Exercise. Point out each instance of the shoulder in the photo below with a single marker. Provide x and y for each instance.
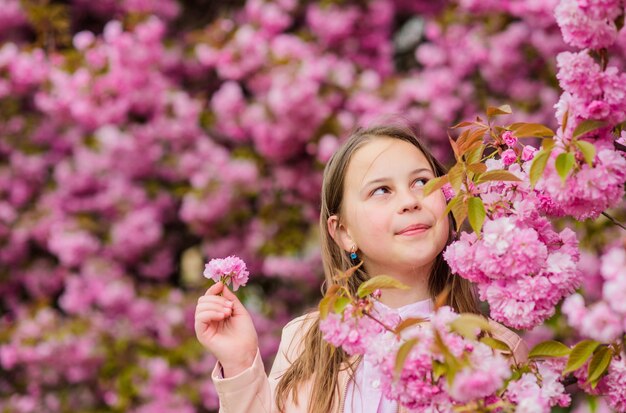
(306, 320)
(292, 340)
(511, 339)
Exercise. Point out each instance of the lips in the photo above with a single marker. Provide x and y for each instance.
(414, 228)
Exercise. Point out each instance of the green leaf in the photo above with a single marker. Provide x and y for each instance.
(539, 165)
(598, 365)
(340, 276)
(564, 164)
(580, 354)
(527, 130)
(340, 304)
(455, 176)
(463, 124)
(439, 369)
(468, 324)
(476, 213)
(477, 168)
(588, 150)
(496, 344)
(402, 354)
(547, 144)
(434, 184)
(500, 110)
(380, 281)
(549, 349)
(451, 203)
(324, 305)
(408, 322)
(459, 211)
(498, 175)
(587, 126)
(473, 155)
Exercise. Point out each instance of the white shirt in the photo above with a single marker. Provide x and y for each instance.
(364, 394)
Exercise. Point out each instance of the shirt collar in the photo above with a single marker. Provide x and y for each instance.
(423, 309)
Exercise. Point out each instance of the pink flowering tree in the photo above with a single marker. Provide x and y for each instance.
(522, 267)
(139, 139)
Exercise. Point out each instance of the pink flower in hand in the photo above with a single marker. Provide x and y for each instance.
(227, 269)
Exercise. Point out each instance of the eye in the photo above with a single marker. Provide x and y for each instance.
(420, 182)
(380, 188)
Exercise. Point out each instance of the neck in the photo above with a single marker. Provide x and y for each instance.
(417, 281)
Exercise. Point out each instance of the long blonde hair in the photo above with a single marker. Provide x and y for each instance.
(318, 356)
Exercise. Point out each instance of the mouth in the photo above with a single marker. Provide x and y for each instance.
(414, 229)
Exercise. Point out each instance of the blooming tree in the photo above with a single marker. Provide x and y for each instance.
(138, 139)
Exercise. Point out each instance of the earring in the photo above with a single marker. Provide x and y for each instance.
(353, 257)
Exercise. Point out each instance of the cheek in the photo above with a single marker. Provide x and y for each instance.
(372, 220)
(438, 207)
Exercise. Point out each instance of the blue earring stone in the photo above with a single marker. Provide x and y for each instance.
(353, 256)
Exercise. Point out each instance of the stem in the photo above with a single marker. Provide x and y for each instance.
(379, 322)
(491, 155)
(613, 220)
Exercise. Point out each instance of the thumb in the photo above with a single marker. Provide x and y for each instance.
(215, 289)
(237, 306)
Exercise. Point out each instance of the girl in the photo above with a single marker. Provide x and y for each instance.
(372, 205)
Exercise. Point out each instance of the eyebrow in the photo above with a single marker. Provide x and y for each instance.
(383, 179)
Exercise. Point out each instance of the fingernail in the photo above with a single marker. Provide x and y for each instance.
(230, 303)
(227, 310)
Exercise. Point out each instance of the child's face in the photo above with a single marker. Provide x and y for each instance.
(382, 197)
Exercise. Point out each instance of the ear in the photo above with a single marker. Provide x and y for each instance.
(339, 233)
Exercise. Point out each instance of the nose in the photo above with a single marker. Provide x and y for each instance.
(409, 201)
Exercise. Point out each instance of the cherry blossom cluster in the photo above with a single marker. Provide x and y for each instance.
(605, 321)
(355, 335)
(227, 270)
(521, 265)
(441, 369)
(594, 89)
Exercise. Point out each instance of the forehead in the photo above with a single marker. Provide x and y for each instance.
(384, 157)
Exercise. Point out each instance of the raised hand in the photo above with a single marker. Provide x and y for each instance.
(224, 327)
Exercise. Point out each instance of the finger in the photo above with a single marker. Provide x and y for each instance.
(215, 299)
(212, 307)
(237, 306)
(209, 316)
(215, 289)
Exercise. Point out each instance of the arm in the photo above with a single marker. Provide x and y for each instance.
(251, 391)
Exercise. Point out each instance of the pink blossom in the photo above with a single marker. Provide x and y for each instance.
(616, 384)
(72, 246)
(484, 378)
(613, 264)
(509, 138)
(326, 147)
(589, 191)
(585, 29)
(539, 393)
(355, 334)
(229, 269)
(574, 308)
(602, 324)
(528, 153)
(448, 192)
(509, 156)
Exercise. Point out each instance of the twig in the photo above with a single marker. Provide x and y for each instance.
(613, 220)
(379, 322)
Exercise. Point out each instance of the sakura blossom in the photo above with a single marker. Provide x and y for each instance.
(228, 270)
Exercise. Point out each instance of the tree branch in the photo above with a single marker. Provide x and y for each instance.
(613, 220)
